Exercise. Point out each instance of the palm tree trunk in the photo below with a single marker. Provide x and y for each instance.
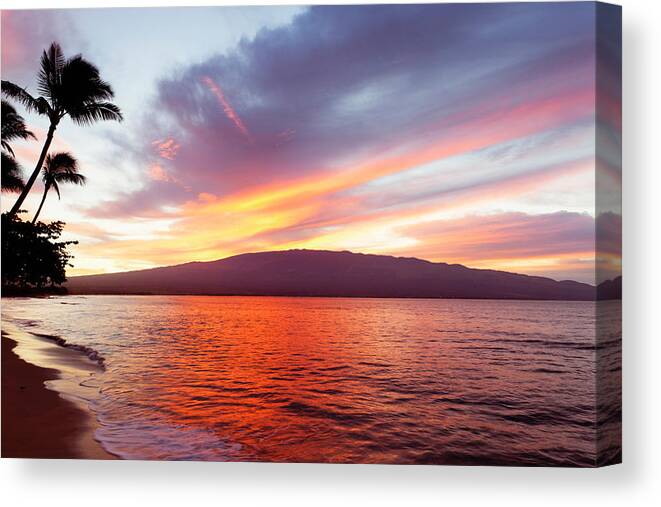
(43, 199)
(35, 173)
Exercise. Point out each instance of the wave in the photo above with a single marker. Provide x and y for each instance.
(91, 353)
(69, 379)
(29, 326)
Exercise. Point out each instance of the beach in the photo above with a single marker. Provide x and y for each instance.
(38, 422)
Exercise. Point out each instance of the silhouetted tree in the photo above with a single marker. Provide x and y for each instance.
(70, 87)
(31, 256)
(58, 168)
(13, 127)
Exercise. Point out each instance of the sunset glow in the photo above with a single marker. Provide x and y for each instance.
(278, 137)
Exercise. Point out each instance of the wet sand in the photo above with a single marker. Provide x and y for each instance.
(37, 422)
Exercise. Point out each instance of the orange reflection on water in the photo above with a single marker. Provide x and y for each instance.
(353, 380)
(339, 380)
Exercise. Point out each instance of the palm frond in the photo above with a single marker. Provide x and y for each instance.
(49, 79)
(13, 126)
(82, 83)
(61, 168)
(55, 187)
(70, 177)
(5, 146)
(98, 111)
(62, 161)
(12, 181)
(21, 95)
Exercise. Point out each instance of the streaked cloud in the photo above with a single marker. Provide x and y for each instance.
(227, 108)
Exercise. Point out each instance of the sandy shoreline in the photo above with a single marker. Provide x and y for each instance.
(38, 422)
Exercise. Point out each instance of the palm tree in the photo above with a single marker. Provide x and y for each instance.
(13, 127)
(59, 168)
(71, 87)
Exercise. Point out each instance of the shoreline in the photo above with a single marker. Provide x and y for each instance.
(412, 298)
(38, 422)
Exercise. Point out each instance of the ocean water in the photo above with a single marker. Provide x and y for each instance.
(343, 380)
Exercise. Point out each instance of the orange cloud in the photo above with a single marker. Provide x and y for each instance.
(156, 172)
(481, 133)
(211, 228)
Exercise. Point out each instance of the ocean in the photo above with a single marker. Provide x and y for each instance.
(341, 380)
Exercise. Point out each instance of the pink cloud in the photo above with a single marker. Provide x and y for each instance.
(561, 244)
(156, 172)
(26, 34)
(167, 148)
(227, 107)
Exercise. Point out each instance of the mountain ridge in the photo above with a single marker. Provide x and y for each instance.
(327, 273)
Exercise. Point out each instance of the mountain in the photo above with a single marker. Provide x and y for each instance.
(610, 289)
(325, 273)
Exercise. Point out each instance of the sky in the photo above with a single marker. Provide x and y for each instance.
(460, 133)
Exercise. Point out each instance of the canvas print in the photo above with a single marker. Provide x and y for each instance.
(385, 234)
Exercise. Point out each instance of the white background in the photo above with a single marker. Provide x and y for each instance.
(636, 482)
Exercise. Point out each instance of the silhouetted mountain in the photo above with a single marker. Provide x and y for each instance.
(610, 289)
(324, 273)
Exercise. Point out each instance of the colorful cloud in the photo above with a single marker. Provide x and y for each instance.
(456, 132)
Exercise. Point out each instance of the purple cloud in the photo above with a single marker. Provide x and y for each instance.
(342, 85)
